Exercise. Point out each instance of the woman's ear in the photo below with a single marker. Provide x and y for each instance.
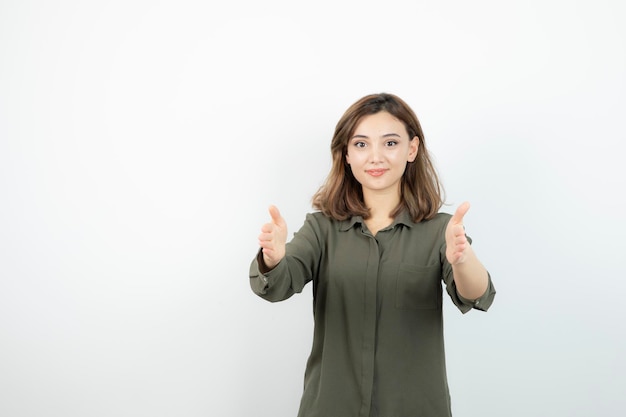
(413, 148)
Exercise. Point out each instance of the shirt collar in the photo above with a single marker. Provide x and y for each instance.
(402, 218)
(345, 225)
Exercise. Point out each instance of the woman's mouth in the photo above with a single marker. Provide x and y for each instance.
(376, 172)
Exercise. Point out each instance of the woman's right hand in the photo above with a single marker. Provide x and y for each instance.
(273, 238)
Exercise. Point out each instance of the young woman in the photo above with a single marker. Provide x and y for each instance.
(376, 250)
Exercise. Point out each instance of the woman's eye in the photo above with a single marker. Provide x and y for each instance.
(391, 143)
(359, 144)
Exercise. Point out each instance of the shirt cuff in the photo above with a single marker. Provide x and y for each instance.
(483, 302)
(258, 281)
(261, 281)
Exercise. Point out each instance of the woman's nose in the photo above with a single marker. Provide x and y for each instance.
(375, 153)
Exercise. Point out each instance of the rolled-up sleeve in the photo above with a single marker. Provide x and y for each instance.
(482, 303)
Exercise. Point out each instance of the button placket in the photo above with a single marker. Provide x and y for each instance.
(369, 328)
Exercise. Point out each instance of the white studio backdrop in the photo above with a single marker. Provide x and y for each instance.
(141, 143)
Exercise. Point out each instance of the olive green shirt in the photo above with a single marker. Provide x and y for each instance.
(378, 348)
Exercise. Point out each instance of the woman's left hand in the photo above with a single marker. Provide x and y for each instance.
(457, 245)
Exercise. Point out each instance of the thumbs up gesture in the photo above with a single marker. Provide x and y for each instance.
(273, 238)
(457, 245)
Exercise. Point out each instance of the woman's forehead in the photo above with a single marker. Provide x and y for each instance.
(379, 124)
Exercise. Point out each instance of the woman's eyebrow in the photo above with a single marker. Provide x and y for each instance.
(386, 135)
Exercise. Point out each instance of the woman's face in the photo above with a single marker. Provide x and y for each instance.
(378, 152)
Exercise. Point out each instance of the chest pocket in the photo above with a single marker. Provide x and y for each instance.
(418, 287)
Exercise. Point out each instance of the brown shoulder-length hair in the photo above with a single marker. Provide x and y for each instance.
(341, 195)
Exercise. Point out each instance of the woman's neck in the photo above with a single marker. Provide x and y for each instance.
(381, 205)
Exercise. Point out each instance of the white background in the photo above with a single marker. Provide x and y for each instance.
(141, 143)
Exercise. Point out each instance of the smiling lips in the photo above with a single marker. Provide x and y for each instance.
(376, 172)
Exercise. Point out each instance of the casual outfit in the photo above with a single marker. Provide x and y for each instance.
(378, 348)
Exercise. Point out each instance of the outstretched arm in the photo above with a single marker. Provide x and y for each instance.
(470, 275)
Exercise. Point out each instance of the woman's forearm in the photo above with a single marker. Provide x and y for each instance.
(471, 277)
